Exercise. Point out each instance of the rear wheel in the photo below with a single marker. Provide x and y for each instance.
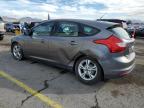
(17, 52)
(88, 70)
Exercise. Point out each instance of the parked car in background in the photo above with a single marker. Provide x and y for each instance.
(92, 49)
(26, 26)
(9, 27)
(16, 25)
(2, 30)
(138, 32)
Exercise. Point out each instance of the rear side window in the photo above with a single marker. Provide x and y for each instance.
(119, 31)
(89, 31)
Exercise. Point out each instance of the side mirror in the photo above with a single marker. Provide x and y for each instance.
(27, 32)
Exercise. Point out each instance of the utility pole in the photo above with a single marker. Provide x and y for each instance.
(48, 16)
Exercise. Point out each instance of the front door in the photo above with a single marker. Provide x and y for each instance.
(37, 44)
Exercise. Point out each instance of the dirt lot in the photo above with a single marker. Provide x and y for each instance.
(62, 86)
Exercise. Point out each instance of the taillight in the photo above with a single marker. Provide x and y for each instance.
(114, 44)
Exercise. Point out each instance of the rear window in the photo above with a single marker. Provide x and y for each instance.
(89, 31)
(119, 31)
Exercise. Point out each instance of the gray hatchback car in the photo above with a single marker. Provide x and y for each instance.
(92, 49)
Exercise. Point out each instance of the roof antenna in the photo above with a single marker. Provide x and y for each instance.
(48, 16)
(103, 15)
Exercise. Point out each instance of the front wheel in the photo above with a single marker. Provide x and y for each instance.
(17, 52)
(88, 70)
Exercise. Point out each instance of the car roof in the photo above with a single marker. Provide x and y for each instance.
(94, 23)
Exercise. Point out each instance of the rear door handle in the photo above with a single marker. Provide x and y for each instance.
(73, 43)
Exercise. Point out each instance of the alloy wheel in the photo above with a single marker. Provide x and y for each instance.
(87, 69)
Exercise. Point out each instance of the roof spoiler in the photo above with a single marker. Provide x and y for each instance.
(114, 26)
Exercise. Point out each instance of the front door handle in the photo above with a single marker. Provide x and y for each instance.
(73, 43)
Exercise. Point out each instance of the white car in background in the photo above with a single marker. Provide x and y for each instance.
(2, 30)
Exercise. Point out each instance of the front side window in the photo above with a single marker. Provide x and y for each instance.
(43, 29)
(66, 29)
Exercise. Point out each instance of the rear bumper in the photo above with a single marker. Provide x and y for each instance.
(118, 67)
(119, 73)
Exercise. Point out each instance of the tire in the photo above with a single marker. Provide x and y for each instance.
(1, 38)
(90, 75)
(17, 52)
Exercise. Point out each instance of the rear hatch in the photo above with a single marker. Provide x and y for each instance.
(125, 37)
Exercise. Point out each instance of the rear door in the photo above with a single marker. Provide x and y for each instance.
(64, 42)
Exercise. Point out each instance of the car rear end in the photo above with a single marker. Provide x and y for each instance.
(116, 54)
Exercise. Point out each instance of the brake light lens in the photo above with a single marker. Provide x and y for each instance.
(114, 44)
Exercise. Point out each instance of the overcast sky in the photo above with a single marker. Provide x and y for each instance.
(85, 9)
